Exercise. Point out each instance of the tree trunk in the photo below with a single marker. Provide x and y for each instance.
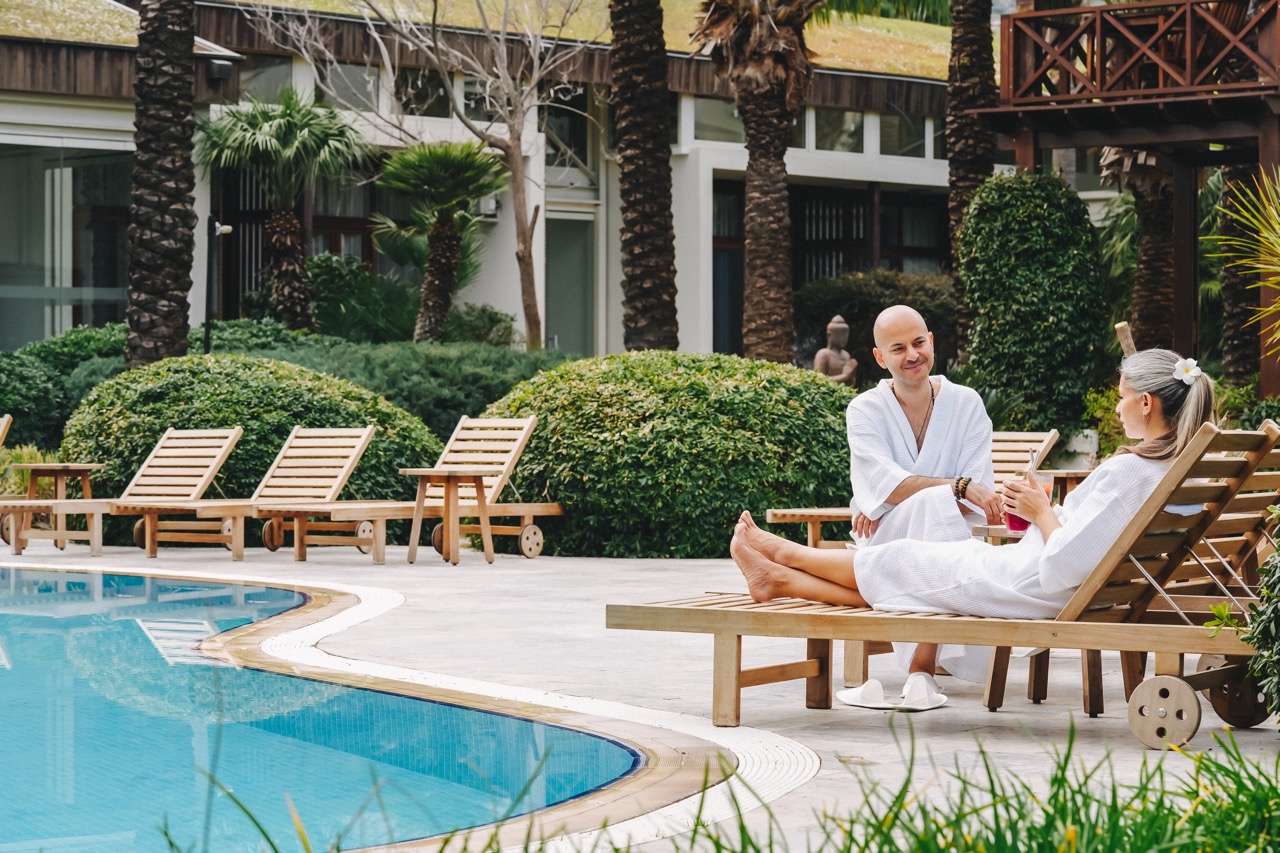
(1151, 316)
(162, 217)
(444, 248)
(289, 289)
(971, 146)
(642, 104)
(526, 225)
(1240, 356)
(768, 331)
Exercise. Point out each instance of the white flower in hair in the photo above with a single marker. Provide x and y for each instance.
(1186, 370)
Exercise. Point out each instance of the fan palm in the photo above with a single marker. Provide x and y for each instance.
(288, 146)
(760, 46)
(442, 179)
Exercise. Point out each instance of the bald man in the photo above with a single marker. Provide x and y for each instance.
(919, 458)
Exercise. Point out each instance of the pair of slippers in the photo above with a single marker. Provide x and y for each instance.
(920, 693)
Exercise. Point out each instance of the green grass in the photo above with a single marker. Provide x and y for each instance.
(86, 21)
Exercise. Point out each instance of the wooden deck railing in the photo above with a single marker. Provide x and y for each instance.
(1138, 51)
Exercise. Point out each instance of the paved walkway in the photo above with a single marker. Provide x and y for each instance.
(531, 627)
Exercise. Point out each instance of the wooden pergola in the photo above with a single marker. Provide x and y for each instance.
(1196, 80)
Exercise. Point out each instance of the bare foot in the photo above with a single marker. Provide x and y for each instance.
(774, 547)
(764, 577)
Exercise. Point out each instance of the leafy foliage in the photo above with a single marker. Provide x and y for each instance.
(1253, 418)
(1264, 631)
(437, 382)
(481, 324)
(859, 298)
(654, 454)
(1100, 414)
(1007, 410)
(1029, 260)
(1257, 250)
(62, 354)
(350, 301)
(34, 394)
(121, 420)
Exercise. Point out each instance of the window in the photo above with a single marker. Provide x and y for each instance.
(901, 135)
(348, 86)
(716, 120)
(263, 78)
(476, 101)
(63, 240)
(568, 132)
(939, 138)
(837, 130)
(420, 92)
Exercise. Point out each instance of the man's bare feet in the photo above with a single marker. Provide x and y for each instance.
(773, 547)
(763, 576)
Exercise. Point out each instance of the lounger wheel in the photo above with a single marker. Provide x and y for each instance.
(139, 533)
(437, 538)
(1208, 662)
(1238, 702)
(364, 530)
(5, 533)
(228, 527)
(1164, 711)
(272, 534)
(531, 540)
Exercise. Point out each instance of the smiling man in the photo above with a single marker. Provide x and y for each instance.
(919, 449)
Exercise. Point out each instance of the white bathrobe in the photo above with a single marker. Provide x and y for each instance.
(883, 453)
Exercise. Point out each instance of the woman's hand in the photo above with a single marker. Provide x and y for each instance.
(1028, 499)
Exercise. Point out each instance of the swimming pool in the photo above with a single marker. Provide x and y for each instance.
(112, 718)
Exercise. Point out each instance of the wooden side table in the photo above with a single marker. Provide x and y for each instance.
(60, 472)
(450, 479)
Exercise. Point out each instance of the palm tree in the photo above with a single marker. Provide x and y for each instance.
(1240, 355)
(642, 122)
(288, 145)
(443, 178)
(162, 217)
(1149, 179)
(760, 46)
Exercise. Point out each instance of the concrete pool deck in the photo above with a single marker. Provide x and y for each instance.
(533, 631)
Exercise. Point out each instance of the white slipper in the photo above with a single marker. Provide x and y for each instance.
(921, 693)
(869, 695)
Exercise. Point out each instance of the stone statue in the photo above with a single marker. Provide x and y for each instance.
(834, 360)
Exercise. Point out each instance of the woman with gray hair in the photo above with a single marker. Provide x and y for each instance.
(1164, 399)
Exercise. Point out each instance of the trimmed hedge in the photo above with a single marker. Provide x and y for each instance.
(655, 454)
(1033, 278)
(120, 421)
(33, 393)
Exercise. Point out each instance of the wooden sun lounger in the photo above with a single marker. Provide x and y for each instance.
(181, 466)
(1143, 596)
(314, 465)
(481, 451)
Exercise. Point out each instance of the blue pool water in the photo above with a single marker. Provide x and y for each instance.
(110, 720)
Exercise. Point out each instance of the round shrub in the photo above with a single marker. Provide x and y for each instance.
(120, 421)
(64, 353)
(655, 454)
(32, 392)
(1033, 278)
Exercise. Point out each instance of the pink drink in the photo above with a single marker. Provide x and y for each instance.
(1018, 524)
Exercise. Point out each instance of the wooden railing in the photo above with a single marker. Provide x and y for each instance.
(1138, 51)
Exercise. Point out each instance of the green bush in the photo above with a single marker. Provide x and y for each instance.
(1100, 414)
(350, 301)
(437, 382)
(120, 421)
(1032, 274)
(33, 393)
(859, 298)
(64, 353)
(246, 335)
(654, 454)
(481, 324)
(1268, 408)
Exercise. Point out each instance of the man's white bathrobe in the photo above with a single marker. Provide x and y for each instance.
(882, 453)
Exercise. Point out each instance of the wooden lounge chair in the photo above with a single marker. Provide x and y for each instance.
(1141, 597)
(181, 466)
(313, 465)
(480, 451)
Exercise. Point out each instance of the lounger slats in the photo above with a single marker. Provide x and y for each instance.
(1219, 467)
(1255, 503)
(173, 453)
(1198, 493)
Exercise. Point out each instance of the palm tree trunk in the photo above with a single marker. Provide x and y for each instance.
(1152, 313)
(289, 289)
(162, 217)
(971, 145)
(767, 312)
(1240, 356)
(638, 59)
(444, 249)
